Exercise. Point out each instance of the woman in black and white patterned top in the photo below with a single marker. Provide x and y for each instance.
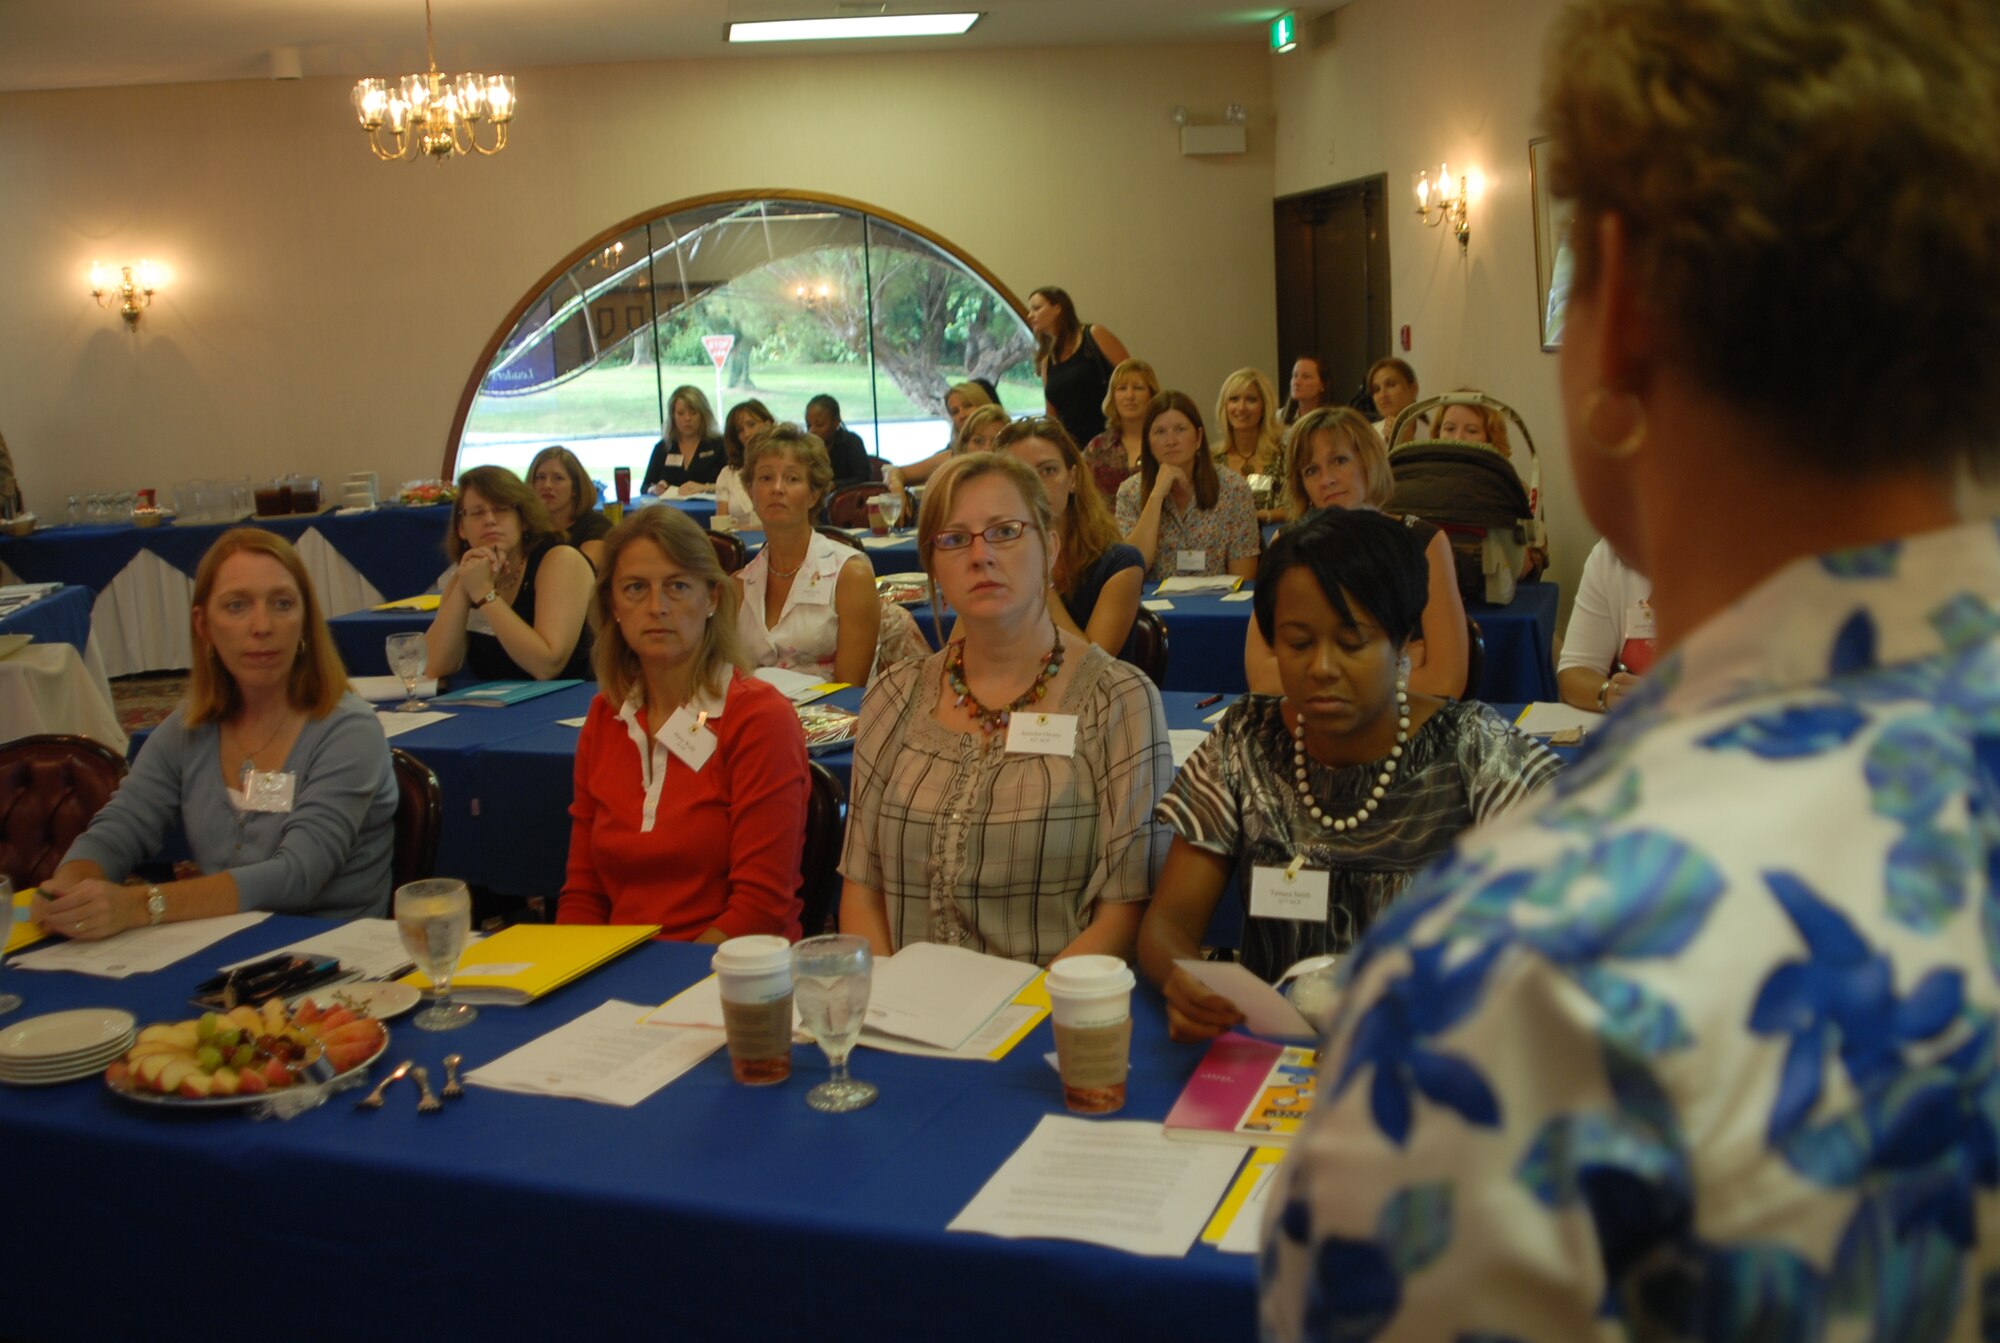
(1348, 775)
(1004, 788)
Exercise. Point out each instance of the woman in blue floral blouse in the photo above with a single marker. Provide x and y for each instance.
(1703, 1043)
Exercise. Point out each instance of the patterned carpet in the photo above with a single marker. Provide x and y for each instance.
(144, 701)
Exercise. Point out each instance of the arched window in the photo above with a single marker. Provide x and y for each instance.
(777, 297)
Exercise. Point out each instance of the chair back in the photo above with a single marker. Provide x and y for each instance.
(848, 505)
(878, 469)
(835, 534)
(419, 819)
(51, 785)
(819, 874)
(1146, 649)
(729, 550)
(1475, 658)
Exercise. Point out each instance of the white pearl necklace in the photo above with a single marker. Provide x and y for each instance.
(1340, 824)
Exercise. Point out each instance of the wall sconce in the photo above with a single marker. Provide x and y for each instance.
(134, 296)
(1441, 197)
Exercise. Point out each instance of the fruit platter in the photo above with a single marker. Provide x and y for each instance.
(906, 589)
(241, 1057)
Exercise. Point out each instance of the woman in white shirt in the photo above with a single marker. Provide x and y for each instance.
(1609, 644)
(745, 421)
(808, 601)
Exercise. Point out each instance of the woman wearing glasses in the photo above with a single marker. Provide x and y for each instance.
(691, 782)
(1003, 788)
(513, 607)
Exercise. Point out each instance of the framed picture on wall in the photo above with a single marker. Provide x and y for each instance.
(1552, 254)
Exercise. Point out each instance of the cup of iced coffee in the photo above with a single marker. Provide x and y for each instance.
(755, 977)
(1092, 1001)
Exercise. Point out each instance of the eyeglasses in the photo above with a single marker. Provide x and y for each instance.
(1003, 533)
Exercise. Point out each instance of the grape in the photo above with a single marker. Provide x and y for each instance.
(208, 1057)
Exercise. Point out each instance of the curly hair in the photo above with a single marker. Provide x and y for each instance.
(1808, 191)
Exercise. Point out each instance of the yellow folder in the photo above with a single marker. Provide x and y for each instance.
(23, 933)
(519, 964)
(426, 602)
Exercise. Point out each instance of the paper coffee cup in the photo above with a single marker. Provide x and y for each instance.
(754, 977)
(1091, 1001)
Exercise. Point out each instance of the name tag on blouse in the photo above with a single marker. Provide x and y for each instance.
(812, 590)
(1289, 893)
(1190, 561)
(1042, 734)
(1639, 621)
(268, 790)
(688, 737)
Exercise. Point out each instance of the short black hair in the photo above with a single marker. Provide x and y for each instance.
(1354, 553)
(827, 404)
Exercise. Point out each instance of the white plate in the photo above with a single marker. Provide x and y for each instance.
(75, 1074)
(111, 1050)
(59, 1034)
(380, 999)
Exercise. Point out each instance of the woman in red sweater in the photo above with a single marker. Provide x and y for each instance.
(690, 807)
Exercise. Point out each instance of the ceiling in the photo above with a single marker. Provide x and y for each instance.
(57, 44)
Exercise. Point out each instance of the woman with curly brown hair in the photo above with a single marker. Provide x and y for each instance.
(1701, 1045)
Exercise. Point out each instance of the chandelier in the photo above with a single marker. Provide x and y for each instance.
(433, 114)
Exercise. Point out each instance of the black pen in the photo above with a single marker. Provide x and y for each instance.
(1204, 703)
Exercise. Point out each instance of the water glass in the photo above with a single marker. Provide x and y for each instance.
(8, 1001)
(830, 982)
(407, 654)
(892, 508)
(434, 917)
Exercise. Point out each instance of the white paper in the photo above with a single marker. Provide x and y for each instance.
(1199, 583)
(607, 1055)
(1006, 1023)
(571, 722)
(389, 689)
(798, 687)
(1184, 740)
(1157, 604)
(1265, 1010)
(1121, 1183)
(700, 1004)
(371, 947)
(396, 724)
(138, 951)
(1239, 596)
(1281, 893)
(1216, 717)
(1246, 1233)
(939, 995)
(881, 542)
(1542, 719)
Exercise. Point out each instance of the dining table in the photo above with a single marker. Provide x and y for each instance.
(708, 1210)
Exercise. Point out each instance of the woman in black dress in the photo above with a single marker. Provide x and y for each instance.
(1074, 361)
(514, 605)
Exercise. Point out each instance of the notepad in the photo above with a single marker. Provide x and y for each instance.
(427, 601)
(517, 965)
(500, 694)
(1542, 719)
(1254, 1093)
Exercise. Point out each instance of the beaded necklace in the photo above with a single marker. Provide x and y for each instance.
(1380, 788)
(992, 720)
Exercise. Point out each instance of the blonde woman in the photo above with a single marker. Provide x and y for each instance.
(1252, 437)
(959, 403)
(808, 601)
(691, 780)
(1338, 461)
(958, 834)
(1114, 454)
(278, 776)
(690, 455)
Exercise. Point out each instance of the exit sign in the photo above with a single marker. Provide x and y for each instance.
(1285, 31)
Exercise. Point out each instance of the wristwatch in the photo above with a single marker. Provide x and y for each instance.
(491, 594)
(156, 905)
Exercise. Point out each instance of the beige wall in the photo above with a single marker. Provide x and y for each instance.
(1390, 86)
(325, 310)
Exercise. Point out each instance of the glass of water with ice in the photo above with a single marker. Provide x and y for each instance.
(830, 980)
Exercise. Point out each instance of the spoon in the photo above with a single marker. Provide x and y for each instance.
(452, 1090)
(373, 1100)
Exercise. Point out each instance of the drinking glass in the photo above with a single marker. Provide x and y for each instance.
(830, 978)
(892, 508)
(406, 659)
(435, 919)
(8, 1001)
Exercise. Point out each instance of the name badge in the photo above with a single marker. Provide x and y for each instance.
(688, 737)
(1190, 561)
(1639, 621)
(1289, 893)
(1041, 733)
(268, 790)
(813, 590)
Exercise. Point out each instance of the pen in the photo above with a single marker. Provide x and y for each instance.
(1204, 703)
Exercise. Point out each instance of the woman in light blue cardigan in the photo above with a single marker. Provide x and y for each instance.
(280, 777)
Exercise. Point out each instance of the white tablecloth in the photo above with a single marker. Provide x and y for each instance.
(52, 688)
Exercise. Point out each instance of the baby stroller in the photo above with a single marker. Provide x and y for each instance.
(1471, 493)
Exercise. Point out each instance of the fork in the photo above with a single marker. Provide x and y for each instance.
(430, 1104)
(452, 1090)
(373, 1100)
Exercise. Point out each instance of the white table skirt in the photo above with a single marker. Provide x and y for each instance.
(52, 688)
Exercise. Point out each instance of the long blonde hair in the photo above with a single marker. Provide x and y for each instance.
(684, 543)
(1114, 423)
(1269, 457)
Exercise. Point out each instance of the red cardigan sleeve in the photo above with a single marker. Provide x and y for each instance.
(584, 899)
(768, 788)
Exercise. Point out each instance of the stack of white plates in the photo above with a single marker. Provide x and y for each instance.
(63, 1046)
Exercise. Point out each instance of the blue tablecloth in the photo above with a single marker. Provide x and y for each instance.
(61, 617)
(399, 550)
(1205, 643)
(711, 1210)
(899, 557)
